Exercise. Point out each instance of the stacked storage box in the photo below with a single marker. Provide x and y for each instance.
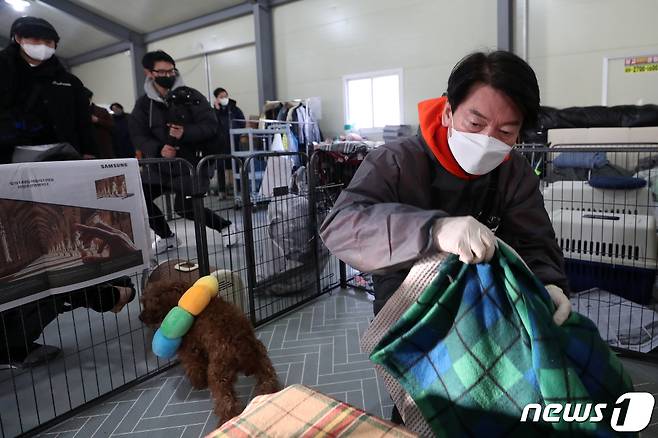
(608, 237)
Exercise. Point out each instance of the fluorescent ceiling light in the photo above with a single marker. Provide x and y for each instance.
(18, 5)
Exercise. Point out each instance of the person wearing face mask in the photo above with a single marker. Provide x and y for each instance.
(229, 116)
(454, 187)
(153, 133)
(34, 87)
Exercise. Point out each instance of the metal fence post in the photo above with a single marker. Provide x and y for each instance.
(200, 224)
(342, 267)
(313, 222)
(250, 255)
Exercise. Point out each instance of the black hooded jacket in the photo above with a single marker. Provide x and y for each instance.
(41, 105)
(229, 116)
(149, 131)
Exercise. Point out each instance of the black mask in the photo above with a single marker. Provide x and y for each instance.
(166, 81)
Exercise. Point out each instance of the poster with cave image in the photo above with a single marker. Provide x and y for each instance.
(45, 246)
(112, 187)
(68, 225)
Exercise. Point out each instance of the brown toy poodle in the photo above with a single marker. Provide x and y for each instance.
(220, 344)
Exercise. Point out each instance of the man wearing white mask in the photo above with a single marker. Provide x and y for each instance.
(454, 187)
(229, 116)
(40, 102)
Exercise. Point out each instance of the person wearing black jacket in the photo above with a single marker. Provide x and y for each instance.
(40, 102)
(123, 146)
(103, 124)
(157, 134)
(229, 115)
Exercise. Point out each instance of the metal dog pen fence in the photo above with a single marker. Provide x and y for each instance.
(332, 171)
(602, 202)
(270, 252)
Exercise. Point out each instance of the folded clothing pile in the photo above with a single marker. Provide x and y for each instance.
(595, 168)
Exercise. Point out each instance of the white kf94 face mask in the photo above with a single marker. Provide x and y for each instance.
(477, 154)
(40, 52)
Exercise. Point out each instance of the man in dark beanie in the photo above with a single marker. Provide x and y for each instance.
(40, 102)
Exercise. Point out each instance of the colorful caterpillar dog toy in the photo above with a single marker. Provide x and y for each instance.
(178, 321)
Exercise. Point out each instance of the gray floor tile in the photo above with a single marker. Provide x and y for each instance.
(340, 349)
(193, 431)
(188, 407)
(126, 421)
(163, 397)
(292, 329)
(326, 359)
(279, 360)
(346, 376)
(201, 395)
(174, 432)
(315, 342)
(286, 351)
(294, 373)
(73, 424)
(353, 366)
(170, 421)
(310, 372)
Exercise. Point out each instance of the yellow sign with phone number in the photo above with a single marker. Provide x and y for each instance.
(641, 64)
(641, 68)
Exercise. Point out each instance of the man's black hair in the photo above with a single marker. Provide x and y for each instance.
(150, 58)
(219, 90)
(87, 92)
(117, 104)
(501, 70)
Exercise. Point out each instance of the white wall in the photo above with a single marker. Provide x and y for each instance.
(215, 37)
(236, 72)
(234, 69)
(110, 79)
(317, 42)
(568, 40)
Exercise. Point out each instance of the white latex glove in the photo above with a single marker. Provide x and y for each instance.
(561, 302)
(465, 236)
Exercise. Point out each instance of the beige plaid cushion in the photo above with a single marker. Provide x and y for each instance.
(298, 411)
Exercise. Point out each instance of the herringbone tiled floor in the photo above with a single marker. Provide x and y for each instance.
(317, 346)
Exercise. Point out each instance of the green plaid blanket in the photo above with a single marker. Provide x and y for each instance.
(479, 345)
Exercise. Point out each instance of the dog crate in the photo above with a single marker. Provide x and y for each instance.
(613, 251)
(580, 196)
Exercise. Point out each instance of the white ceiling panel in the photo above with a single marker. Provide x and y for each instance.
(76, 37)
(149, 15)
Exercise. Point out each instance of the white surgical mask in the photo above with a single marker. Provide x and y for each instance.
(223, 101)
(40, 52)
(477, 154)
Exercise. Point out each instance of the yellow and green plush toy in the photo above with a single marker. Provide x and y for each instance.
(178, 321)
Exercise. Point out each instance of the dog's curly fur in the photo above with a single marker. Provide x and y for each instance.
(220, 344)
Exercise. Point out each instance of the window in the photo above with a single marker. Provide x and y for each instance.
(373, 100)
